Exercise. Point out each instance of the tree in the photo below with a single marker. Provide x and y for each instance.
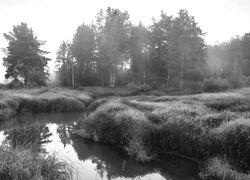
(113, 43)
(24, 58)
(161, 52)
(245, 47)
(138, 48)
(188, 40)
(178, 49)
(83, 47)
(65, 64)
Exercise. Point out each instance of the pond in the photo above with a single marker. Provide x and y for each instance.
(53, 133)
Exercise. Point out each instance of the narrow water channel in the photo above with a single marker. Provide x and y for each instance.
(90, 160)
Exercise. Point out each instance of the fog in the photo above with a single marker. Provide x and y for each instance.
(57, 20)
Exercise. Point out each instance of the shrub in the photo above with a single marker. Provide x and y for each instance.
(145, 88)
(237, 82)
(3, 86)
(247, 81)
(132, 86)
(215, 85)
(193, 86)
(15, 84)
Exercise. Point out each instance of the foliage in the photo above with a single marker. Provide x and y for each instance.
(215, 85)
(24, 57)
(15, 84)
(231, 60)
(113, 52)
(65, 64)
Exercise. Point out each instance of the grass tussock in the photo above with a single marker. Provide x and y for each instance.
(220, 169)
(230, 104)
(117, 124)
(23, 164)
(232, 139)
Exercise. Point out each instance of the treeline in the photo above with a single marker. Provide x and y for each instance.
(230, 61)
(111, 51)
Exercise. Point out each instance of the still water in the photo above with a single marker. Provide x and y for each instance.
(53, 133)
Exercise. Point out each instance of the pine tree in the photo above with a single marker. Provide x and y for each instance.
(24, 58)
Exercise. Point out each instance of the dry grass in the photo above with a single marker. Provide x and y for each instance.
(42, 100)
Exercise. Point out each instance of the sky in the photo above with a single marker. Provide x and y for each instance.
(57, 20)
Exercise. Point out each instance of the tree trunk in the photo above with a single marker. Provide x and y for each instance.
(73, 75)
(111, 79)
(181, 77)
(144, 77)
(168, 78)
(26, 78)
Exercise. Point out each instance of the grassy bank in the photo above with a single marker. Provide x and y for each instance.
(42, 100)
(198, 126)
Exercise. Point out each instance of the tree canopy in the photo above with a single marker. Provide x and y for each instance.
(114, 52)
(24, 58)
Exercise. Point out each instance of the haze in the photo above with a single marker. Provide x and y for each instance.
(57, 20)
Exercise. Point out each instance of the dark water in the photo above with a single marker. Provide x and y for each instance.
(53, 133)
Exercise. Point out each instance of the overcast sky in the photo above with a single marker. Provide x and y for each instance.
(57, 20)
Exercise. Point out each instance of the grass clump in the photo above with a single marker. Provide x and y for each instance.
(220, 169)
(119, 125)
(230, 104)
(232, 139)
(182, 136)
(213, 120)
(23, 164)
(215, 85)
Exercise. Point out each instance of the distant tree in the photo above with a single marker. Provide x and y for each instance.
(139, 50)
(178, 50)
(245, 48)
(24, 58)
(83, 47)
(188, 40)
(161, 62)
(65, 64)
(115, 38)
(216, 58)
(234, 56)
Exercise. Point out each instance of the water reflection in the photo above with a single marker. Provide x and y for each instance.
(90, 160)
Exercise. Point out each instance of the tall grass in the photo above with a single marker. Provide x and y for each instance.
(232, 139)
(117, 124)
(42, 100)
(220, 169)
(23, 164)
(197, 126)
(231, 104)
